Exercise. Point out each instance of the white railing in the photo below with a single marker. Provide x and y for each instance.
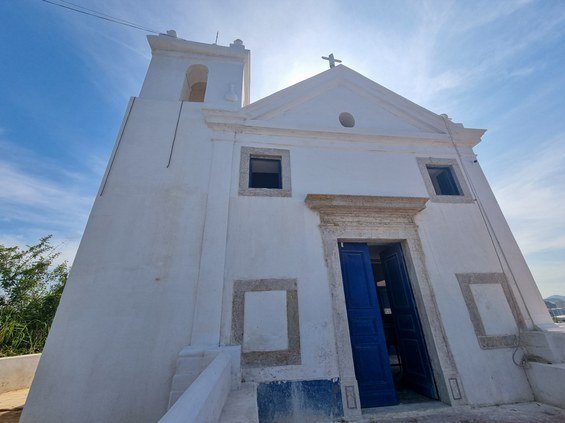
(204, 399)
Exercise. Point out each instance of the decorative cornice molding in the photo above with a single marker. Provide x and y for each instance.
(166, 43)
(229, 120)
(365, 204)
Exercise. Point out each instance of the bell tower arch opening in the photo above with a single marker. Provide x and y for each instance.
(194, 87)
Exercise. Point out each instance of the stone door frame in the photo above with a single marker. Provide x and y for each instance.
(375, 219)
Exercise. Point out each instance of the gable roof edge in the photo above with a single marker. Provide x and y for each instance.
(302, 91)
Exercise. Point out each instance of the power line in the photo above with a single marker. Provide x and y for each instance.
(100, 15)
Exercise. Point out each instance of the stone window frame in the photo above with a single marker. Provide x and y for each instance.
(464, 197)
(488, 342)
(290, 356)
(264, 153)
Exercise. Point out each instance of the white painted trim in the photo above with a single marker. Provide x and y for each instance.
(256, 116)
(222, 120)
(167, 43)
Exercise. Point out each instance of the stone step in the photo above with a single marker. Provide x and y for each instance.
(241, 405)
(188, 368)
(182, 381)
(173, 397)
(187, 364)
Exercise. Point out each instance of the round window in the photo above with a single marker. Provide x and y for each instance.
(347, 120)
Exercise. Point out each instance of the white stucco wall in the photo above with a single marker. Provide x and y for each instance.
(279, 238)
(129, 305)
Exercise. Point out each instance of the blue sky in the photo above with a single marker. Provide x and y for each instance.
(65, 80)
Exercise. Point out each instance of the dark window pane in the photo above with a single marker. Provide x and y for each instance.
(443, 180)
(265, 173)
(265, 165)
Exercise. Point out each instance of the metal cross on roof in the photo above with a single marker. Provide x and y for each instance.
(332, 60)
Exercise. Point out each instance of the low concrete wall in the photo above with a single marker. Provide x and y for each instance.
(545, 346)
(557, 343)
(204, 399)
(17, 372)
(547, 382)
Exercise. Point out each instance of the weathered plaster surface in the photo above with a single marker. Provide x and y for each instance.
(265, 326)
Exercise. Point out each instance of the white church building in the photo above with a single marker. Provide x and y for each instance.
(330, 248)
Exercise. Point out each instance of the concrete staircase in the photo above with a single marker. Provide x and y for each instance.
(188, 369)
(545, 364)
(206, 387)
(241, 405)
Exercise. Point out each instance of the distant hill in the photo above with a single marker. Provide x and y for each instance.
(556, 297)
(558, 300)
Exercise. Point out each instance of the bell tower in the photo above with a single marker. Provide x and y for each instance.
(216, 76)
(147, 273)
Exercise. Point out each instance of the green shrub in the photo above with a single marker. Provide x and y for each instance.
(30, 289)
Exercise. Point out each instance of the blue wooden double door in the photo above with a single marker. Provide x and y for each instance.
(371, 348)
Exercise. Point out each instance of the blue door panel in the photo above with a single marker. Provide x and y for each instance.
(370, 356)
(363, 326)
(414, 361)
(411, 343)
(358, 296)
(373, 370)
(406, 322)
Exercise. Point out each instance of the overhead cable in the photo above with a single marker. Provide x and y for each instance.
(100, 15)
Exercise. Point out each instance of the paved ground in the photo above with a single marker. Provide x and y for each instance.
(531, 412)
(11, 404)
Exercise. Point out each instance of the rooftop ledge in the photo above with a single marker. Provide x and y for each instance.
(165, 42)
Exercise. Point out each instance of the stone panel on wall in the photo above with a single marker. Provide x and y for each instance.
(265, 322)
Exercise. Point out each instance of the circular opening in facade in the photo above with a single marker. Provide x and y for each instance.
(347, 120)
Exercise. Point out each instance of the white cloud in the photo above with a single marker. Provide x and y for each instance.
(532, 199)
(552, 273)
(38, 198)
(20, 188)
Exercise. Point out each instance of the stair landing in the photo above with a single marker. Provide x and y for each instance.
(241, 405)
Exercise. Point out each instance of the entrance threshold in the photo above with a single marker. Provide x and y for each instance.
(405, 410)
(438, 412)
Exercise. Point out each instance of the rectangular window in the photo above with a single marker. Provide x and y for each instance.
(265, 173)
(443, 180)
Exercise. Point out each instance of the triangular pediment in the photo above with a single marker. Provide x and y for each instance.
(311, 108)
(316, 103)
